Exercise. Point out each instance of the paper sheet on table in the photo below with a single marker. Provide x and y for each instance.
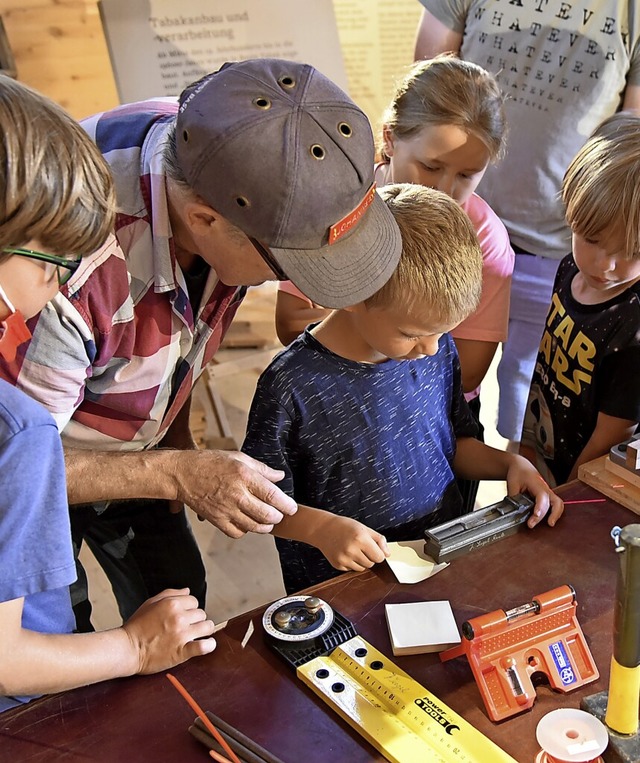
(410, 564)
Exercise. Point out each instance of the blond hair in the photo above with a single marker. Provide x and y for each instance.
(447, 91)
(441, 262)
(601, 188)
(56, 186)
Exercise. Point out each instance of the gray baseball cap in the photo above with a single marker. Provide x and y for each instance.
(284, 154)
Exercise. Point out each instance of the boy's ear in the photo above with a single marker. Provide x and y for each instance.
(387, 140)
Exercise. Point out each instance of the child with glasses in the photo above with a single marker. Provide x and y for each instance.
(56, 204)
(365, 415)
(64, 267)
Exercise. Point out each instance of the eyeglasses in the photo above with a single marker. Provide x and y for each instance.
(70, 266)
(268, 257)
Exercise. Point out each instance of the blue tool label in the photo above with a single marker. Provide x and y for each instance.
(565, 671)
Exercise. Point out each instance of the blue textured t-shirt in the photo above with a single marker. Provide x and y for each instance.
(374, 442)
(36, 557)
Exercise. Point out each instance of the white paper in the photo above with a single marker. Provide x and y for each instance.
(248, 634)
(410, 564)
(423, 626)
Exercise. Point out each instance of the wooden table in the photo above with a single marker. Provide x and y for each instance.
(144, 719)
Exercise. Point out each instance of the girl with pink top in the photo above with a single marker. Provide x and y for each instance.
(443, 128)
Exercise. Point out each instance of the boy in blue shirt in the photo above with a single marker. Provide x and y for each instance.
(365, 413)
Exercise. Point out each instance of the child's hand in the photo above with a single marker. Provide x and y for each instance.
(523, 477)
(163, 631)
(350, 545)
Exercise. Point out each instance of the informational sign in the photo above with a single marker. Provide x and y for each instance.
(377, 39)
(157, 47)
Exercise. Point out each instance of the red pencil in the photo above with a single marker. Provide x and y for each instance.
(203, 717)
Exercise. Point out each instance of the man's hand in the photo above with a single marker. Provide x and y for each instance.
(231, 490)
(167, 630)
(350, 545)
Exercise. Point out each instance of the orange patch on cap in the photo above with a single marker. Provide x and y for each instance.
(337, 230)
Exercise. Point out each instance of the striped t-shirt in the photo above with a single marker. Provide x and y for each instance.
(116, 353)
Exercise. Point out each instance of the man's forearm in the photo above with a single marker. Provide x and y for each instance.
(105, 475)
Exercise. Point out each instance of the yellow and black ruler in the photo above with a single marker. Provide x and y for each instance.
(396, 714)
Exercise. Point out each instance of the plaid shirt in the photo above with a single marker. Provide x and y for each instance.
(115, 355)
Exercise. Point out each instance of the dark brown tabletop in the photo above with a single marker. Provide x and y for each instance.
(145, 719)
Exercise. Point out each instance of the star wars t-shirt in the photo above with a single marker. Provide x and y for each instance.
(588, 362)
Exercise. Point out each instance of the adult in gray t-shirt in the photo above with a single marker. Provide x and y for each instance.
(565, 66)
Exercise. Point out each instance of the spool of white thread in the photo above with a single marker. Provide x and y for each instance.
(569, 735)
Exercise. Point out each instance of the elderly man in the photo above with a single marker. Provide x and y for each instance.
(262, 171)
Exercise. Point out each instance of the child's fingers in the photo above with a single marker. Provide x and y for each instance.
(201, 629)
(364, 549)
(375, 550)
(358, 559)
(557, 509)
(382, 543)
(549, 505)
(539, 511)
(199, 647)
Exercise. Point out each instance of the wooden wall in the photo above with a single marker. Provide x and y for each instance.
(60, 50)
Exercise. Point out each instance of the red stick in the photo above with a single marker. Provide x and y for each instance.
(587, 500)
(203, 717)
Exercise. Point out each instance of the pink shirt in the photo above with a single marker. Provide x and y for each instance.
(490, 321)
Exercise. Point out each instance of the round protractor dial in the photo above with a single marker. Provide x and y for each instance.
(297, 618)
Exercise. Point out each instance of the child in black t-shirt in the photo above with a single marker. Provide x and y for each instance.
(585, 395)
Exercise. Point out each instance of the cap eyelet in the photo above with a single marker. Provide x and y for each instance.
(317, 151)
(286, 81)
(261, 102)
(345, 129)
(185, 136)
(242, 201)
